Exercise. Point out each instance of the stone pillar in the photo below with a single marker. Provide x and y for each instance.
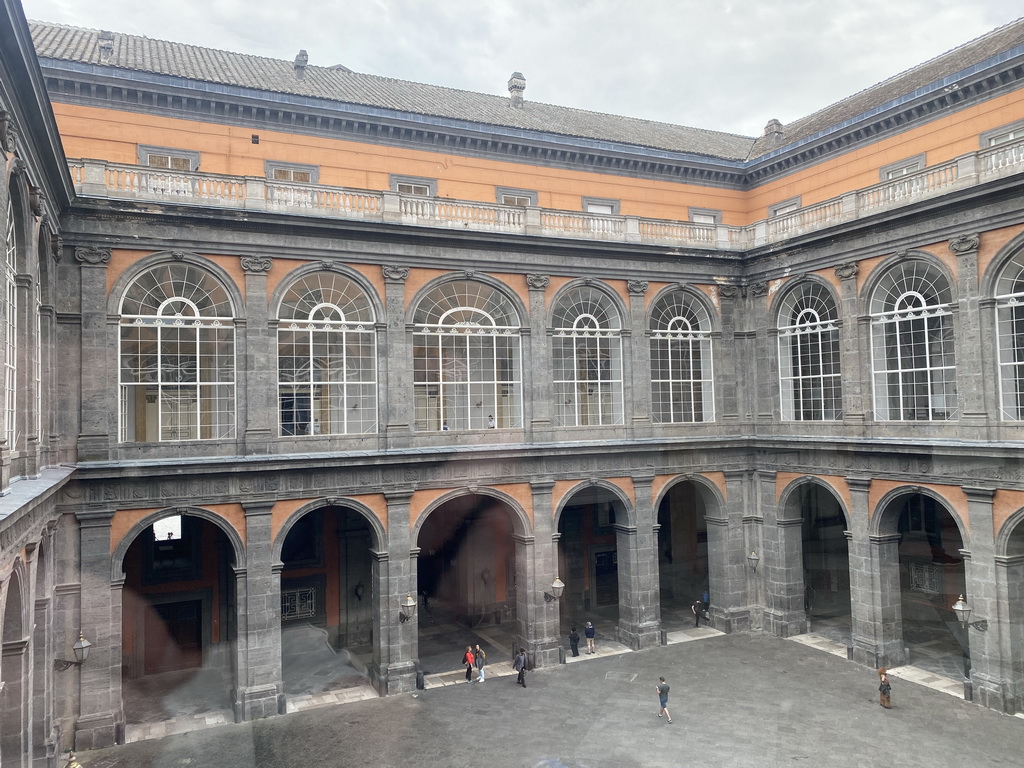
(259, 690)
(762, 374)
(395, 362)
(640, 353)
(1010, 589)
(536, 568)
(990, 661)
(537, 367)
(970, 345)
(728, 580)
(44, 650)
(729, 366)
(396, 642)
(863, 602)
(257, 412)
(27, 386)
(878, 632)
(99, 375)
(639, 595)
(101, 716)
(782, 563)
(852, 364)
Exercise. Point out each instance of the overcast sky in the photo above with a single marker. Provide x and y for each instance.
(727, 65)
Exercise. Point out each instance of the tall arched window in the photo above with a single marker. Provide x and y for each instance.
(1010, 329)
(467, 359)
(10, 309)
(177, 371)
(327, 358)
(587, 359)
(912, 344)
(809, 372)
(682, 388)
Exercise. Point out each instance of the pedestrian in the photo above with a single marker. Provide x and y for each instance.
(481, 659)
(574, 642)
(467, 661)
(884, 689)
(698, 609)
(663, 698)
(706, 599)
(490, 422)
(519, 665)
(589, 631)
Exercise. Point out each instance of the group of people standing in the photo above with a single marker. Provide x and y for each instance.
(574, 639)
(474, 660)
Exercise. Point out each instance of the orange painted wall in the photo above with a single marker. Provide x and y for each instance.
(122, 259)
(125, 519)
(1004, 505)
(954, 496)
(836, 482)
(520, 492)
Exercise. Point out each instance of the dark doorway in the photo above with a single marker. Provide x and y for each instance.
(682, 554)
(173, 637)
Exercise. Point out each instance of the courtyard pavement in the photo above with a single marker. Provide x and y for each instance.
(736, 700)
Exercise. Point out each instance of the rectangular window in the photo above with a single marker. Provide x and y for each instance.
(786, 206)
(411, 185)
(601, 206)
(1003, 135)
(519, 197)
(705, 216)
(171, 159)
(903, 168)
(294, 172)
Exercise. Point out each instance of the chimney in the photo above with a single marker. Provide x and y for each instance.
(773, 130)
(516, 86)
(300, 64)
(106, 46)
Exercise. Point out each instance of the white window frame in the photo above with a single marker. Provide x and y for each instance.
(601, 206)
(521, 198)
(1004, 134)
(705, 216)
(1009, 314)
(10, 342)
(896, 171)
(808, 344)
(681, 337)
(185, 157)
(416, 186)
(791, 205)
(277, 170)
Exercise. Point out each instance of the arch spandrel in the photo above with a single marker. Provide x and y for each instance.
(883, 494)
(710, 485)
(289, 513)
(513, 495)
(621, 488)
(787, 483)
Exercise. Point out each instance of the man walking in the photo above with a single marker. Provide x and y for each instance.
(574, 642)
(519, 665)
(589, 631)
(663, 698)
(698, 609)
(480, 658)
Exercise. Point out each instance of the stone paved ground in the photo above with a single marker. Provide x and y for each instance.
(737, 700)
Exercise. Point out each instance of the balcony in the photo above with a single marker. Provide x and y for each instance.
(99, 179)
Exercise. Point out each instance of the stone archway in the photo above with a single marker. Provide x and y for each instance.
(683, 554)
(14, 717)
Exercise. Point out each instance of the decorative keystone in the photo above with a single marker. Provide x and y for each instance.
(256, 265)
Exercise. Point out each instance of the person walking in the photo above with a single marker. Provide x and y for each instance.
(574, 642)
(698, 610)
(590, 632)
(884, 689)
(467, 661)
(663, 699)
(519, 665)
(480, 658)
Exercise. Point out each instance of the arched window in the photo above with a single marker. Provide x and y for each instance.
(809, 372)
(327, 358)
(467, 359)
(682, 388)
(177, 371)
(1010, 329)
(587, 359)
(10, 310)
(912, 345)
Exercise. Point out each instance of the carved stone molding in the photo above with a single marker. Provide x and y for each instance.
(35, 200)
(395, 273)
(964, 244)
(728, 291)
(179, 255)
(588, 281)
(8, 136)
(900, 255)
(329, 265)
(538, 282)
(469, 274)
(846, 271)
(92, 256)
(56, 246)
(637, 286)
(759, 289)
(256, 265)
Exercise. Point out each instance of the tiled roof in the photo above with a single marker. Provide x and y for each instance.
(143, 54)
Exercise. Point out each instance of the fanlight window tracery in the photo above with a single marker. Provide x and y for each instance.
(682, 385)
(912, 343)
(809, 366)
(177, 357)
(467, 360)
(327, 358)
(587, 359)
(10, 342)
(1010, 333)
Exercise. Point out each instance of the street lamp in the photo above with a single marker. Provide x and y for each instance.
(753, 559)
(81, 651)
(556, 591)
(408, 609)
(962, 609)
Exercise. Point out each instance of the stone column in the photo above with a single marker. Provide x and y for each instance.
(537, 367)
(1010, 588)
(396, 642)
(100, 356)
(762, 374)
(729, 366)
(852, 364)
(990, 662)
(637, 546)
(728, 580)
(258, 409)
(863, 601)
(395, 362)
(27, 386)
(101, 716)
(970, 345)
(782, 563)
(886, 614)
(536, 568)
(640, 346)
(259, 683)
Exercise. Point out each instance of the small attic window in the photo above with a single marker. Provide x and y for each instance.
(1003, 135)
(786, 206)
(601, 206)
(412, 185)
(171, 159)
(298, 172)
(903, 168)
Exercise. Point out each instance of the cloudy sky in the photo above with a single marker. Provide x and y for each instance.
(727, 65)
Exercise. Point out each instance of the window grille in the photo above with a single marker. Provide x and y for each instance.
(682, 385)
(10, 309)
(298, 603)
(1010, 332)
(809, 365)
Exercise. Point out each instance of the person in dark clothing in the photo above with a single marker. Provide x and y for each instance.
(589, 631)
(698, 611)
(663, 698)
(884, 689)
(519, 665)
(574, 642)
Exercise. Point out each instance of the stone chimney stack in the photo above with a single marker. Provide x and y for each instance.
(773, 131)
(516, 86)
(106, 46)
(300, 64)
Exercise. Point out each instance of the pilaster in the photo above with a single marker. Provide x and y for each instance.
(970, 345)
(396, 641)
(96, 382)
(639, 393)
(258, 409)
(851, 362)
(639, 606)
(538, 365)
(394, 362)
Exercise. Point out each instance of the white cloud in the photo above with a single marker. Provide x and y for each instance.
(715, 65)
